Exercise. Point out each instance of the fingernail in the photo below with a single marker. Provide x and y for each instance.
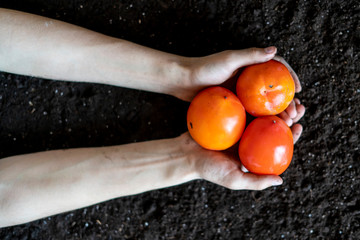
(277, 182)
(269, 50)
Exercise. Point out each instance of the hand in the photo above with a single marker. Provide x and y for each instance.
(225, 169)
(217, 68)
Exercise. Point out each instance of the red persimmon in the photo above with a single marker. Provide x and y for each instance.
(266, 146)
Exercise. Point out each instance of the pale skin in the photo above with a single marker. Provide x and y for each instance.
(37, 185)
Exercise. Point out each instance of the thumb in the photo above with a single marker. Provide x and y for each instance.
(241, 58)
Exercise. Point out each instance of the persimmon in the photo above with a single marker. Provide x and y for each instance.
(266, 146)
(266, 88)
(216, 118)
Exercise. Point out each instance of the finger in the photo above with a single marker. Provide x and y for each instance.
(284, 116)
(291, 109)
(292, 72)
(238, 180)
(245, 57)
(297, 101)
(296, 131)
(300, 109)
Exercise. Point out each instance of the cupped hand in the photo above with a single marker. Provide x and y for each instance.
(215, 69)
(224, 167)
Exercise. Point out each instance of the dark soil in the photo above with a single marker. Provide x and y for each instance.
(320, 197)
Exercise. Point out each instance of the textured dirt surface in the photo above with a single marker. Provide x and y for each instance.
(320, 195)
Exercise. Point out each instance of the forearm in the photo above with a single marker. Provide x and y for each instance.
(38, 46)
(42, 184)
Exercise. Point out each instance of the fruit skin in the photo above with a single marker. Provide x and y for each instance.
(216, 118)
(266, 88)
(266, 147)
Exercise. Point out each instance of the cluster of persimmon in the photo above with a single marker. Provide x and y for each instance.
(216, 118)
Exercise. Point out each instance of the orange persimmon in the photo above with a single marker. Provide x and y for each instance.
(265, 88)
(216, 118)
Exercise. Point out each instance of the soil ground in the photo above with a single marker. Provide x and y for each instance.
(320, 195)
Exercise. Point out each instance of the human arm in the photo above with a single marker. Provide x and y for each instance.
(34, 186)
(38, 46)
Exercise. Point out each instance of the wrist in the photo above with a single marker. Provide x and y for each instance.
(178, 71)
(180, 165)
(190, 150)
